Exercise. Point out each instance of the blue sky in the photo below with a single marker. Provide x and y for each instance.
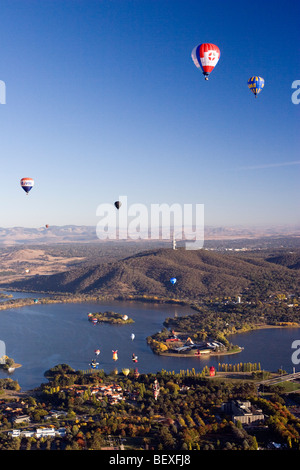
(103, 100)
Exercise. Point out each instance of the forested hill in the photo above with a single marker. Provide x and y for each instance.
(198, 273)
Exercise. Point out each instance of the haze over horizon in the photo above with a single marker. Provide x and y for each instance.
(73, 234)
(103, 99)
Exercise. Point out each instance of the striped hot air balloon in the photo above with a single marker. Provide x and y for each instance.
(205, 57)
(256, 84)
(27, 184)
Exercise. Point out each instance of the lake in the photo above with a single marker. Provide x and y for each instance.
(42, 336)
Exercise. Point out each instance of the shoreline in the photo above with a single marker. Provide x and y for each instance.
(204, 355)
(82, 298)
(11, 368)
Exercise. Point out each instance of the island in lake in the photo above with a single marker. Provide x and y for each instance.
(173, 343)
(8, 364)
(109, 317)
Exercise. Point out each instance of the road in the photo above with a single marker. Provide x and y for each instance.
(281, 378)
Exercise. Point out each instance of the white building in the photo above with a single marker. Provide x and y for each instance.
(45, 432)
(38, 433)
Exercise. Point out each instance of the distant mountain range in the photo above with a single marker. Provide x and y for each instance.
(198, 273)
(84, 234)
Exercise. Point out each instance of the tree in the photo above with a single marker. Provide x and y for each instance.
(166, 439)
(97, 441)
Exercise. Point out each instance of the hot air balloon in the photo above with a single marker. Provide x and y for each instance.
(97, 352)
(125, 371)
(205, 57)
(256, 84)
(27, 184)
(115, 355)
(94, 320)
(47, 226)
(118, 204)
(173, 280)
(132, 336)
(125, 317)
(134, 358)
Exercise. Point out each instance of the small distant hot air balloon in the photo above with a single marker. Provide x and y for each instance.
(205, 57)
(256, 84)
(125, 317)
(132, 336)
(97, 352)
(125, 371)
(115, 355)
(27, 184)
(35, 301)
(134, 358)
(94, 320)
(173, 280)
(47, 226)
(118, 204)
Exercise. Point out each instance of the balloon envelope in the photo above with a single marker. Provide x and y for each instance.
(173, 280)
(115, 355)
(27, 184)
(256, 84)
(118, 204)
(205, 57)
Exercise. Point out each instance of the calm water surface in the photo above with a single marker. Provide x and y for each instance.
(42, 336)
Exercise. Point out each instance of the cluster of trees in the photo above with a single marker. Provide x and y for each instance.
(281, 423)
(186, 415)
(110, 317)
(9, 362)
(8, 384)
(220, 321)
(240, 367)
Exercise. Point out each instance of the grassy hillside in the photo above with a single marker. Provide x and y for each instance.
(199, 273)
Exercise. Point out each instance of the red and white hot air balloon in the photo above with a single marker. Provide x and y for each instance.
(205, 57)
(27, 184)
